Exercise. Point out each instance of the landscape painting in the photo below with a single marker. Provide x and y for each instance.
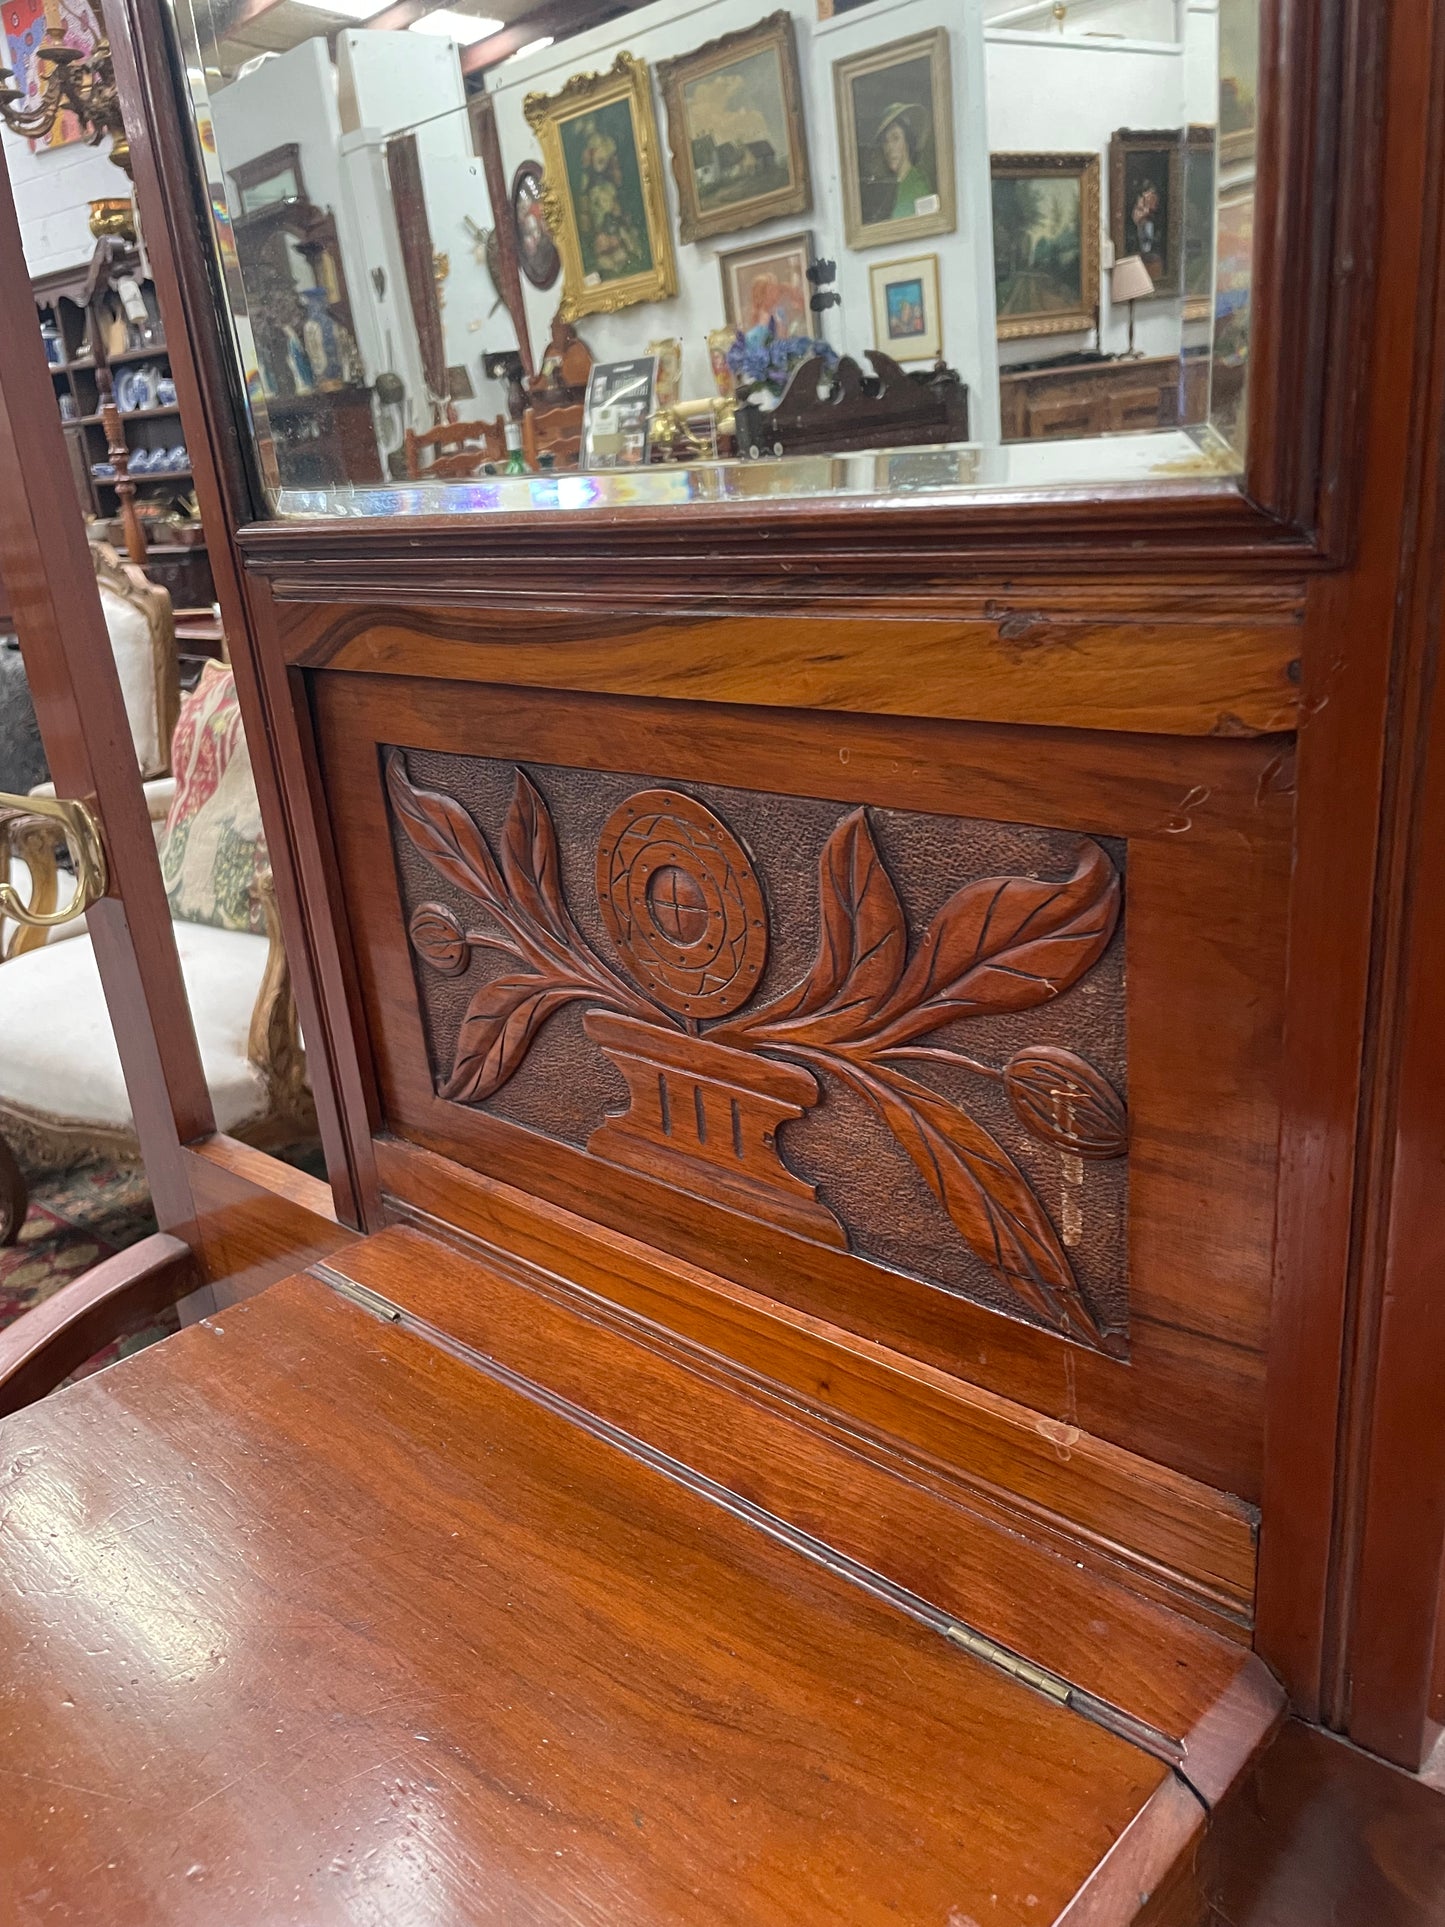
(735, 127)
(1045, 243)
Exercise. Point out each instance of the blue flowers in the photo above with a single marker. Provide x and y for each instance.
(764, 358)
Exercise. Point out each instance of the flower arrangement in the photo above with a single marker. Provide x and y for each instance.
(765, 359)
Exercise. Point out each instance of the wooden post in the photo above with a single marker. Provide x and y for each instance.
(116, 447)
(45, 561)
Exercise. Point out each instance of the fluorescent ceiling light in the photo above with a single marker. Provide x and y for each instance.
(532, 47)
(344, 9)
(464, 28)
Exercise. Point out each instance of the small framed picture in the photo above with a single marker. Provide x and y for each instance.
(907, 325)
(617, 418)
(895, 141)
(769, 282)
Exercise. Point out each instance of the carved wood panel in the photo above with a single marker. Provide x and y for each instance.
(893, 1033)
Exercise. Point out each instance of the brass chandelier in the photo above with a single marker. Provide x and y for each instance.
(71, 83)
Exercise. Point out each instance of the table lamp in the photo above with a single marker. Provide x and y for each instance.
(1130, 282)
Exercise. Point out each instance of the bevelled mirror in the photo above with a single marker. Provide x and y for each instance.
(692, 251)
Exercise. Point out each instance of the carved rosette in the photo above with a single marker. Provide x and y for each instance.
(681, 901)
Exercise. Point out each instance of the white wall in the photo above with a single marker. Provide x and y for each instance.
(53, 188)
(965, 257)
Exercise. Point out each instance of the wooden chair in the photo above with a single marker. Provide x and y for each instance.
(470, 445)
(553, 431)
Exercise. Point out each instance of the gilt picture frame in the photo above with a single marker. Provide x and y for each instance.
(895, 141)
(1146, 202)
(768, 281)
(735, 129)
(1046, 243)
(602, 189)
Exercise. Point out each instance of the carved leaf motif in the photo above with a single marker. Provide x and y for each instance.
(446, 836)
(497, 1032)
(986, 1195)
(1062, 1099)
(1003, 944)
(438, 936)
(531, 863)
(863, 943)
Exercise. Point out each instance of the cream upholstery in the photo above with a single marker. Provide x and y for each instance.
(143, 640)
(58, 1059)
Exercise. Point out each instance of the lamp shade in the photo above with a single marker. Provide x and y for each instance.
(1130, 280)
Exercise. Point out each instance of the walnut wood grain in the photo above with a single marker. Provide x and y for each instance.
(472, 1657)
(885, 1507)
(1167, 1538)
(1011, 658)
(46, 1344)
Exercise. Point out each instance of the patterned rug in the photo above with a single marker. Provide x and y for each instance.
(76, 1218)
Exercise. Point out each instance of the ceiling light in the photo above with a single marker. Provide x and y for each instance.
(464, 28)
(532, 47)
(344, 9)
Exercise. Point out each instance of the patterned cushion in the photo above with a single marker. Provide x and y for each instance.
(212, 848)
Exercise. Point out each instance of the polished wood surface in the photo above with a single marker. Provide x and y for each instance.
(44, 1346)
(1167, 1538)
(891, 1508)
(440, 1651)
(1318, 1833)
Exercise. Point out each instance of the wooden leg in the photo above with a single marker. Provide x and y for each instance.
(14, 1198)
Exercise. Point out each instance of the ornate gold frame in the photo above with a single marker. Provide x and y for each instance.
(1086, 166)
(626, 79)
(776, 33)
(1134, 140)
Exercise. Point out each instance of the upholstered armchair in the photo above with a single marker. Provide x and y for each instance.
(62, 1094)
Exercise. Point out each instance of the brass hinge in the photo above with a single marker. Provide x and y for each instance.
(1007, 1662)
(81, 829)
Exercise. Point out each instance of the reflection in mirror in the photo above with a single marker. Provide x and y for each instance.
(575, 251)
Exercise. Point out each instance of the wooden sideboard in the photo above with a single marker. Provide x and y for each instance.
(1105, 396)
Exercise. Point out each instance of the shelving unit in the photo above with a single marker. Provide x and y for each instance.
(76, 326)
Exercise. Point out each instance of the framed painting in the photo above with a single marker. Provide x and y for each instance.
(1146, 201)
(1238, 81)
(895, 141)
(907, 325)
(269, 179)
(1201, 175)
(602, 191)
(735, 125)
(537, 254)
(769, 282)
(1045, 243)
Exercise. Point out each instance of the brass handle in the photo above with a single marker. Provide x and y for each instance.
(81, 829)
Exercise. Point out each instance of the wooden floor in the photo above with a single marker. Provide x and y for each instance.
(1319, 1835)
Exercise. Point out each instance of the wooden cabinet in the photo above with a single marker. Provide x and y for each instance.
(1081, 395)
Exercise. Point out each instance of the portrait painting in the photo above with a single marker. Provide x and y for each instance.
(1146, 201)
(768, 283)
(601, 193)
(895, 141)
(735, 126)
(1045, 243)
(906, 321)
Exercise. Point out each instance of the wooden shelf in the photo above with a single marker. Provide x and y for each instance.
(163, 475)
(128, 415)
